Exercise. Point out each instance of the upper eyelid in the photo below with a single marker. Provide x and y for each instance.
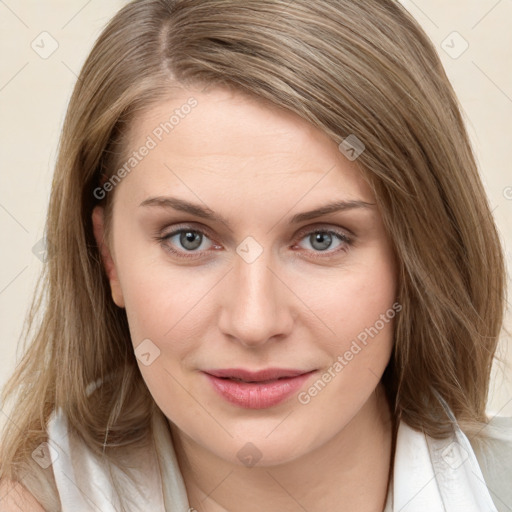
(170, 230)
(325, 227)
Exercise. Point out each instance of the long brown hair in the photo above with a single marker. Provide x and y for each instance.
(348, 67)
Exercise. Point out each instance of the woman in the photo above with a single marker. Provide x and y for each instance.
(273, 280)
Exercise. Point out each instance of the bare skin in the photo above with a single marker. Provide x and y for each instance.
(299, 304)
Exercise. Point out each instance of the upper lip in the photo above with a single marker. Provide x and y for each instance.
(256, 376)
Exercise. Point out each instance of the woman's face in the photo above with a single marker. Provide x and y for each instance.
(220, 267)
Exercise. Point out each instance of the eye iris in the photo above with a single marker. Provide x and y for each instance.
(325, 240)
(190, 240)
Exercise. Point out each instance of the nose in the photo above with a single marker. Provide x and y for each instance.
(256, 305)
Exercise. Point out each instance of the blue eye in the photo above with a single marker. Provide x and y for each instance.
(190, 240)
(322, 240)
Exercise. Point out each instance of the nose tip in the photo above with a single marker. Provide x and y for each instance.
(254, 306)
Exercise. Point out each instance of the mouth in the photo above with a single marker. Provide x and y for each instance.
(267, 374)
(236, 379)
(257, 389)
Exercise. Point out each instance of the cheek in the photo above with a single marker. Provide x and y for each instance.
(368, 320)
(168, 304)
(363, 312)
(162, 319)
(354, 299)
(150, 304)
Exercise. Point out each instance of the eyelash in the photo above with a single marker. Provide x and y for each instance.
(163, 239)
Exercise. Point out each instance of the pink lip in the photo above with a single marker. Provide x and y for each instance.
(257, 390)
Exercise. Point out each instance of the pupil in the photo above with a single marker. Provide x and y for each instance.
(187, 240)
(324, 239)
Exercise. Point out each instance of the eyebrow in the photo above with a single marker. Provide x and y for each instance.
(206, 213)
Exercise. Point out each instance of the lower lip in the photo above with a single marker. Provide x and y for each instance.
(253, 395)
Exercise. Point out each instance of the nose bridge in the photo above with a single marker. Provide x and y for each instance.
(254, 308)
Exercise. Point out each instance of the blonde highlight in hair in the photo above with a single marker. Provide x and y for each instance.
(348, 67)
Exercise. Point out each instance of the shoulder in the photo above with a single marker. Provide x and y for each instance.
(15, 498)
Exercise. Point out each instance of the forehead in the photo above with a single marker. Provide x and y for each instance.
(224, 119)
(237, 144)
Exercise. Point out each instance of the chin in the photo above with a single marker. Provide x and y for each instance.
(269, 446)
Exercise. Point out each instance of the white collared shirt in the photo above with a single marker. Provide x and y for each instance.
(429, 475)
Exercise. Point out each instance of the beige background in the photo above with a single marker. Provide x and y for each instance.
(35, 88)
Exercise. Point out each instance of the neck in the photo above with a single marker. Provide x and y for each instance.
(349, 472)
